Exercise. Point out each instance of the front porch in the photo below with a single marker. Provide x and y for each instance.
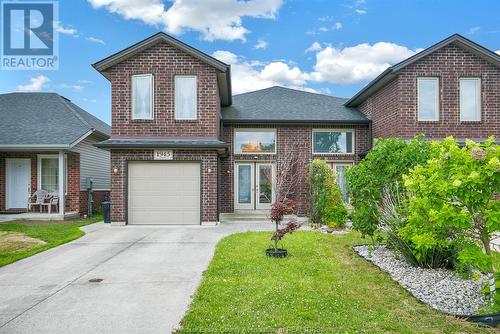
(51, 176)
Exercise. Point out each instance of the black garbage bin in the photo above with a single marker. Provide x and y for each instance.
(106, 209)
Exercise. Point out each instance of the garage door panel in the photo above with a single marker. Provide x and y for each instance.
(164, 193)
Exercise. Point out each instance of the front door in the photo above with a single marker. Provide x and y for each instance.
(254, 185)
(18, 183)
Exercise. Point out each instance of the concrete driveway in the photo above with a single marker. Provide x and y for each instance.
(148, 274)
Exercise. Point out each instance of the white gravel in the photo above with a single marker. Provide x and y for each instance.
(442, 289)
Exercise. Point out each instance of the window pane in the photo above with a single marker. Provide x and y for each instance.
(427, 99)
(185, 97)
(244, 184)
(142, 90)
(255, 141)
(470, 104)
(342, 181)
(332, 142)
(50, 174)
(265, 184)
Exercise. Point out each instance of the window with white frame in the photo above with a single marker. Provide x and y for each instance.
(48, 173)
(142, 96)
(185, 97)
(333, 141)
(251, 141)
(428, 99)
(340, 168)
(470, 99)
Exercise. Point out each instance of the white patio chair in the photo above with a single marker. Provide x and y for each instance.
(38, 198)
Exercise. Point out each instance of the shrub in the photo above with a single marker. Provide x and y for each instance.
(325, 202)
(454, 201)
(383, 166)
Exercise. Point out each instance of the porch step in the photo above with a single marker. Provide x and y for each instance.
(244, 216)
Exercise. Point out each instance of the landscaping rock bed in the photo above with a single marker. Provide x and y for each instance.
(442, 289)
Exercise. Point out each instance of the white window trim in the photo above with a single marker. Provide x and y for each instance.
(256, 130)
(478, 98)
(39, 169)
(436, 119)
(334, 130)
(151, 98)
(195, 97)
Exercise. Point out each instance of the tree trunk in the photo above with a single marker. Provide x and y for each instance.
(491, 275)
(276, 239)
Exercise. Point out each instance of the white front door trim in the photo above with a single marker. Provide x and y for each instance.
(254, 202)
(24, 190)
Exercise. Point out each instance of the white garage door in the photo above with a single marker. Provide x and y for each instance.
(164, 193)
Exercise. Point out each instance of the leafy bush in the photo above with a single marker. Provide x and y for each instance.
(325, 202)
(454, 201)
(384, 166)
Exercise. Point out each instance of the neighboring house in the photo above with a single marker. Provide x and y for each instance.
(450, 88)
(184, 150)
(47, 142)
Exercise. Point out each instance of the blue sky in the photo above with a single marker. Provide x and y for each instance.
(331, 47)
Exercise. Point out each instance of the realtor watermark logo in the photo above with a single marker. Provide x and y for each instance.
(29, 40)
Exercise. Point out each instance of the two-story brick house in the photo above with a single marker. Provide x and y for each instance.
(184, 150)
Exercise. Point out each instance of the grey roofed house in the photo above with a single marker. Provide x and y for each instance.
(47, 143)
(284, 105)
(45, 119)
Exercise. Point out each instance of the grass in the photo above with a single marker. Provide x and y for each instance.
(51, 233)
(322, 285)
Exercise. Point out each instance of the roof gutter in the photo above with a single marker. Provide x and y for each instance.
(34, 147)
(298, 122)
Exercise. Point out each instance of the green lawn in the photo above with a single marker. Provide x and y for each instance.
(322, 285)
(52, 233)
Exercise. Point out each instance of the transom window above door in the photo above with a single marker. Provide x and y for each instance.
(333, 141)
(252, 141)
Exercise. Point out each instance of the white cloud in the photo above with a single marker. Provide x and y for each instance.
(84, 81)
(473, 30)
(336, 26)
(345, 66)
(357, 63)
(77, 88)
(36, 84)
(261, 44)
(217, 19)
(95, 40)
(497, 52)
(361, 11)
(65, 30)
(314, 47)
(253, 75)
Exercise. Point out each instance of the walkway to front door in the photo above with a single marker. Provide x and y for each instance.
(254, 185)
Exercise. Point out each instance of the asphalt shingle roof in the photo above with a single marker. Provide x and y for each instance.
(277, 104)
(44, 119)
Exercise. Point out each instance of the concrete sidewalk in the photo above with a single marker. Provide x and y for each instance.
(148, 274)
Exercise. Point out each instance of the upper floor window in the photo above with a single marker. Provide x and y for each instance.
(428, 99)
(252, 141)
(142, 96)
(470, 99)
(333, 141)
(185, 97)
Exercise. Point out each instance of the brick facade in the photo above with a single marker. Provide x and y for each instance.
(393, 109)
(298, 138)
(97, 196)
(164, 62)
(73, 169)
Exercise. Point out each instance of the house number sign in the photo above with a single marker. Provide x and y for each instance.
(164, 155)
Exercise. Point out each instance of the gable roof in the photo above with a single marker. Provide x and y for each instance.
(284, 105)
(224, 80)
(391, 72)
(45, 120)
